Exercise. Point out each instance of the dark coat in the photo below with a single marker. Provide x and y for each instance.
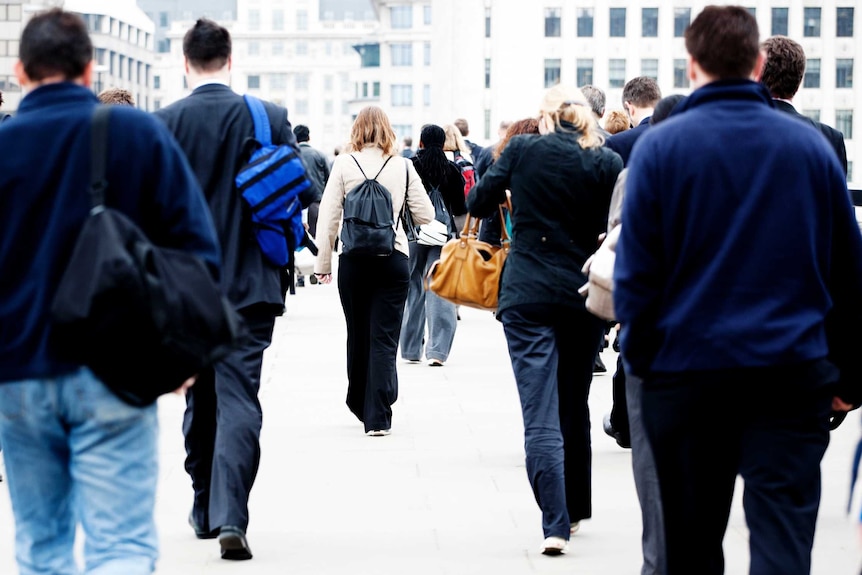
(316, 167)
(451, 186)
(836, 138)
(560, 198)
(623, 142)
(213, 126)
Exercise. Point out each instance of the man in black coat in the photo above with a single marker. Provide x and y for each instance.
(640, 96)
(782, 75)
(223, 417)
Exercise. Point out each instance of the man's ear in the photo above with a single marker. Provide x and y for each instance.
(20, 74)
(87, 76)
(757, 72)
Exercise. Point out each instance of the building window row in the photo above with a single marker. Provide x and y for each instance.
(101, 24)
(843, 73)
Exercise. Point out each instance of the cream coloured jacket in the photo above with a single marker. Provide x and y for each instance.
(398, 177)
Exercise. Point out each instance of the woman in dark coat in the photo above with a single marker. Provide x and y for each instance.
(561, 183)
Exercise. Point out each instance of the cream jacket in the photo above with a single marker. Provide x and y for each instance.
(398, 176)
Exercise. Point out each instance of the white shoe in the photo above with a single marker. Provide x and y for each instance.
(435, 363)
(555, 546)
(573, 528)
(378, 432)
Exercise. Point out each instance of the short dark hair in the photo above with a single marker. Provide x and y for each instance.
(784, 66)
(116, 96)
(664, 108)
(596, 97)
(642, 92)
(301, 132)
(207, 46)
(408, 141)
(55, 42)
(724, 41)
(462, 126)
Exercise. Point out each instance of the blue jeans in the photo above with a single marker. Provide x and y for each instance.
(442, 315)
(75, 453)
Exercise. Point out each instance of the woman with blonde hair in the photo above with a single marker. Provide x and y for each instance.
(373, 288)
(455, 143)
(561, 183)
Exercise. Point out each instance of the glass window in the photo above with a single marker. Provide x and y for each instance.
(585, 22)
(487, 124)
(254, 20)
(584, 72)
(278, 81)
(426, 53)
(680, 73)
(157, 82)
(649, 68)
(278, 48)
(552, 71)
(616, 73)
(487, 72)
(14, 13)
(164, 22)
(402, 54)
(813, 114)
(553, 24)
(278, 19)
(163, 46)
(302, 20)
(254, 82)
(649, 22)
(375, 89)
(487, 22)
(401, 17)
(844, 123)
(254, 48)
(779, 21)
(849, 170)
(811, 17)
(302, 107)
(752, 11)
(328, 107)
(426, 94)
(812, 73)
(300, 82)
(844, 73)
(426, 14)
(844, 23)
(681, 20)
(402, 95)
(328, 82)
(618, 23)
(302, 48)
(402, 130)
(369, 55)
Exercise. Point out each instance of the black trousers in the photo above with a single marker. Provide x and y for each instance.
(769, 425)
(222, 428)
(619, 411)
(373, 290)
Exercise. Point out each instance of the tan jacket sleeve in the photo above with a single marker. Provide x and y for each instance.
(329, 216)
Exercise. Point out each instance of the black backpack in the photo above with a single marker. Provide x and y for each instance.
(368, 221)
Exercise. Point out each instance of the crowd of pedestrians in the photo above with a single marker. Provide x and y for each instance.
(738, 271)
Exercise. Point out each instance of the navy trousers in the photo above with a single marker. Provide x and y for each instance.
(769, 425)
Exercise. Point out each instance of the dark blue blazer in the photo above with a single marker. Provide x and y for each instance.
(623, 142)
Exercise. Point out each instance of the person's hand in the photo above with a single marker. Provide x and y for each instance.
(324, 278)
(838, 404)
(181, 390)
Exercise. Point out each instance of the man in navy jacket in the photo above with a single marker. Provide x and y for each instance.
(74, 452)
(640, 96)
(738, 272)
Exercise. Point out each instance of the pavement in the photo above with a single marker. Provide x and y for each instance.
(446, 493)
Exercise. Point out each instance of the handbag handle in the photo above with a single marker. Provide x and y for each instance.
(471, 225)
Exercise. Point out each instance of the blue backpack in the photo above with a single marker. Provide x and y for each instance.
(271, 183)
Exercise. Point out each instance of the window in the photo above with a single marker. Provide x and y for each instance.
(585, 22)
(681, 20)
(157, 104)
(752, 11)
(553, 24)
(426, 14)
(300, 82)
(402, 130)
(157, 82)
(849, 171)
(844, 123)
(649, 68)
(487, 22)
(844, 73)
(278, 81)
(487, 124)
(401, 17)
(812, 73)
(402, 95)
(328, 107)
(302, 20)
(402, 54)
(278, 19)
(163, 20)
(779, 21)
(811, 17)
(254, 20)
(680, 73)
(618, 23)
(813, 114)
(328, 82)
(278, 48)
(552, 71)
(369, 55)
(302, 48)
(163, 46)
(616, 73)
(844, 23)
(426, 53)
(649, 22)
(487, 72)
(253, 83)
(584, 73)
(426, 95)
(254, 48)
(375, 89)
(302, 107)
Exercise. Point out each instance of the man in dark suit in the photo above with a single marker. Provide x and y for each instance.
(640, 96)
(223, 417)
(782, 75)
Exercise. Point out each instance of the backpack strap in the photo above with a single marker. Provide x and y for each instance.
(99, 157)
(378, 172)
(262, 130)
(358, 166)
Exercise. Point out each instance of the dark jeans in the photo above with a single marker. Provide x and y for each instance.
(222, 428)
(552, 351)
(769, 425)
(373, 290)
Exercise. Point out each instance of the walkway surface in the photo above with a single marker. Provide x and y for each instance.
(445, 494)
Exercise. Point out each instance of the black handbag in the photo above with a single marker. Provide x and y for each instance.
(406, 218)
(143, 318)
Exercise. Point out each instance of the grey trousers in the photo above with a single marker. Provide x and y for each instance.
(646, 483)
(441, 315)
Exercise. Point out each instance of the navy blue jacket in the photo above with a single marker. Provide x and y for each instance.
(623, 142)
(44, 183)
(737, 229)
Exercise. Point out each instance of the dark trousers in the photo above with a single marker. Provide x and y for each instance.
(552, 351)
(619, 410)
(313, 211)
(222, 428)
(373, 290)
(769, 425)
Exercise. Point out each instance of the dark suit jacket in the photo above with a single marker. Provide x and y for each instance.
(213, 126)
(836, 138)
(623, 142)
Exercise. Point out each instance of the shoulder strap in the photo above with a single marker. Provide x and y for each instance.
(358, 166)
(262, 131)
(99, 156)
(381, 167)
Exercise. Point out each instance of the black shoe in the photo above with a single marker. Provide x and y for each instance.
(313, 279)
(200, 532)
(599, 365)
(300, 282)
(624, 442)
(234, 545)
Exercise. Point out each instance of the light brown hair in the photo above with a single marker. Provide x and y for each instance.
(784, 66)
(567, 104)
(617, 121)
(116, 96)
(526, 126)
(372, 128)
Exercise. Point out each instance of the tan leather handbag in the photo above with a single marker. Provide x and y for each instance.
(468, 271)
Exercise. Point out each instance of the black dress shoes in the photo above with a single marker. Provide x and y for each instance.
(200, 532)
(234, 545)
(622, 440)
